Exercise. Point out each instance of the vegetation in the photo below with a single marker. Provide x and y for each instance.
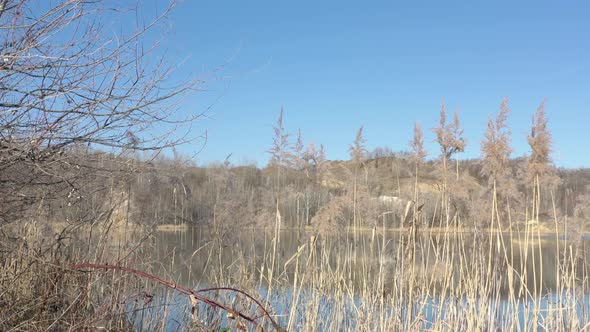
(88, 172)
(321, 194)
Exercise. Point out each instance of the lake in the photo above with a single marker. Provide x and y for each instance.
(375, 281)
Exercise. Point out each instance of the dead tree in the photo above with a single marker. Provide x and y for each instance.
(73, 90)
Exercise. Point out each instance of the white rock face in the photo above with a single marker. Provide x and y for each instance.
(393, 200)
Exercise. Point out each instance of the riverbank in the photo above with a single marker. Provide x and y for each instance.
(546, 228)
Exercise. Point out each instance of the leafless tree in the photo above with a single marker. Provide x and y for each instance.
(450, 139)
(312, 162)
(315, 162)
(381, 152)
(70, 87)
(84, 88)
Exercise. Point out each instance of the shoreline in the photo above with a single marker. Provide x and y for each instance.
(534, 230)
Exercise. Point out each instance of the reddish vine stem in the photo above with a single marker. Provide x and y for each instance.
(188, 291)
(235, 290)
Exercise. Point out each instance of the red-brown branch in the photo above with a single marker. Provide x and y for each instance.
(187, 291)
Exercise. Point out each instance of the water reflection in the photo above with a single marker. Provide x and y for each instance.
(520, 263)
(520, 279)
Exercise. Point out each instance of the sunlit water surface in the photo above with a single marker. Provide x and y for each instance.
(200, 258)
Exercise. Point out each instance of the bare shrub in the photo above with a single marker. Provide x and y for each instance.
(77, 102)
(68, 83)
(332, 215)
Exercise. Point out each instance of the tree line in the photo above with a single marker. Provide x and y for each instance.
(306, 190)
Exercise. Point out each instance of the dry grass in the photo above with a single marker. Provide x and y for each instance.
(443, 279)
(376, 279)
(453, 281)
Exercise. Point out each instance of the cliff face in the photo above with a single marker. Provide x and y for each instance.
(394, 176)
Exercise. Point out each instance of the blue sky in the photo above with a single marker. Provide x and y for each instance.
(335, 65)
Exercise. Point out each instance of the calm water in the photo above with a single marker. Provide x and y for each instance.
(196, 254)
(199, 258)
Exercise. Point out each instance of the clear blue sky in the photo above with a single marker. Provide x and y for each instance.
(337, 65)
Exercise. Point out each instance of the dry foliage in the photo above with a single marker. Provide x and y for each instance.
(280, 153)
(449, 137)
(539, 139)
(417, 146)
(495, 147)
(357, 150)
(70, 87)
(496, 150)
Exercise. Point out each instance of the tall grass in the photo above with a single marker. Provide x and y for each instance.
(426, 280)
(506, 279)
(496, 278)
